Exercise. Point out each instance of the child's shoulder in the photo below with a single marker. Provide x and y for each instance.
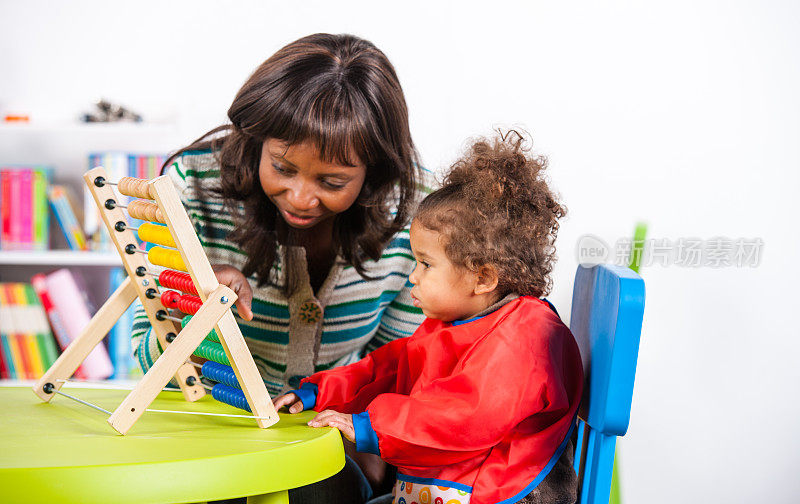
(531, 322)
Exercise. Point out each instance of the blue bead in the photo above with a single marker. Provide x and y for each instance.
(230, 395)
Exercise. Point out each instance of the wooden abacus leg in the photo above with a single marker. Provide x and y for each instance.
(173, 358)
(78, 350)
(246, 372)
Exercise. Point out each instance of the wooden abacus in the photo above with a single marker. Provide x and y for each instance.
(177, 247)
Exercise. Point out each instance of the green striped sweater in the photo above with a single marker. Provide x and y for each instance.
(358, 315)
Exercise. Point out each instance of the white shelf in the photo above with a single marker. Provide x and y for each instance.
(93, 128)
(59, 258)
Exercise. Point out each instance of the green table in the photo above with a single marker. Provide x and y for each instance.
(65, 452)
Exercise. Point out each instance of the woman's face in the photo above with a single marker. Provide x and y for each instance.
(307, 190)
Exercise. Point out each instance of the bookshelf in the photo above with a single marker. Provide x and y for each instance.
(59, 258)
(65, 147)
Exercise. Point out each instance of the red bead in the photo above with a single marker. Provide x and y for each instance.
(170, 299)
(177, 280)
(189, 304)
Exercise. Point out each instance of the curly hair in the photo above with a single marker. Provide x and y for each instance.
(341, 93)
(495, 209)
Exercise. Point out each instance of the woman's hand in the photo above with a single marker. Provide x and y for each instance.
(341, 421)
(291, 400)
(233, 278)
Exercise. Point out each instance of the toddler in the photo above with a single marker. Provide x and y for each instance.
(479, 404)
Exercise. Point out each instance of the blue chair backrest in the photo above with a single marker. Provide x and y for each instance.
(607, 311)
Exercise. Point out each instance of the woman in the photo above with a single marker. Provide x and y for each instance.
(308, 194)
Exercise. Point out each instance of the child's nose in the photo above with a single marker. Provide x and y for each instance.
(413, 276)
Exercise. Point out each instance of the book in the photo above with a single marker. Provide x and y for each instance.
(66, 216)
(15, 204)
(5, 208)
(37, 320)
(28, 343)
(23, 208)
(41, 217)
(119, 338)
(26, 330)
(69, 315)
(39, 284)
(10, 361)
(17, 354)
(117, 165)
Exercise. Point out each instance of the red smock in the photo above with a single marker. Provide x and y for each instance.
(484, 404)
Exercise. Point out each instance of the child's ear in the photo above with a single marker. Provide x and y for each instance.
(486, 281)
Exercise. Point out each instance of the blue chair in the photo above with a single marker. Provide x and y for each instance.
(607, 310)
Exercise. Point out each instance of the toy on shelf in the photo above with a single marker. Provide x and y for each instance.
(206, 303)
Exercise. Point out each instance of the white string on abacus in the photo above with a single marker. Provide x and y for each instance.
(98, 408)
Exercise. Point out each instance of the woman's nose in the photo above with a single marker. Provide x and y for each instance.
(301, 196)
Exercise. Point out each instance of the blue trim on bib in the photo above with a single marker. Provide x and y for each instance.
(544, 472)
(460, 322)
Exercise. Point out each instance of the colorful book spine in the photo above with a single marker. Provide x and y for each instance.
(39, 284)
(17, 349)
(37, 319)
(4, 372)
(23, 208)
(26, 209)
(15, 232)
(5, 208)
(117, 165)
(41, 219)
(119, 338)
(27, 330)
(141, 170)
(9, 369)
(91, 215)
(69, 301)
(64, 212)
(27, 348)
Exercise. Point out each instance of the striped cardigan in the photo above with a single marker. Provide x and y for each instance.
(357, 315)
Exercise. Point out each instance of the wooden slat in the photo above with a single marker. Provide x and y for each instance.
(205, 280)
(131, 262)
(92, 334)
(181, 229)
(245, 369)
(171, 360)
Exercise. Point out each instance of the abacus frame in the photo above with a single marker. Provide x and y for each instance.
(215, 313)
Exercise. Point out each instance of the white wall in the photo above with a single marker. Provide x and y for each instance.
(685, 114)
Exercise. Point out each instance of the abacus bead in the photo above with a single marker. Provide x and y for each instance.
(230, 395)
(220, 373)
(170, 299)
(212, 351)
(154, 233)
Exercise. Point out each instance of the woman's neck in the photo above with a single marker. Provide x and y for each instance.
(318, 241)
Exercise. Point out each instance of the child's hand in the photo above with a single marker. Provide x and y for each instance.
(233, 278)
(291, 400)
(341, 421)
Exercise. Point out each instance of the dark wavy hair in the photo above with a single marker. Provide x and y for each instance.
(342, 94)
(495, 208)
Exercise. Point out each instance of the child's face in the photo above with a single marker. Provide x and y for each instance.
(443, 290)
